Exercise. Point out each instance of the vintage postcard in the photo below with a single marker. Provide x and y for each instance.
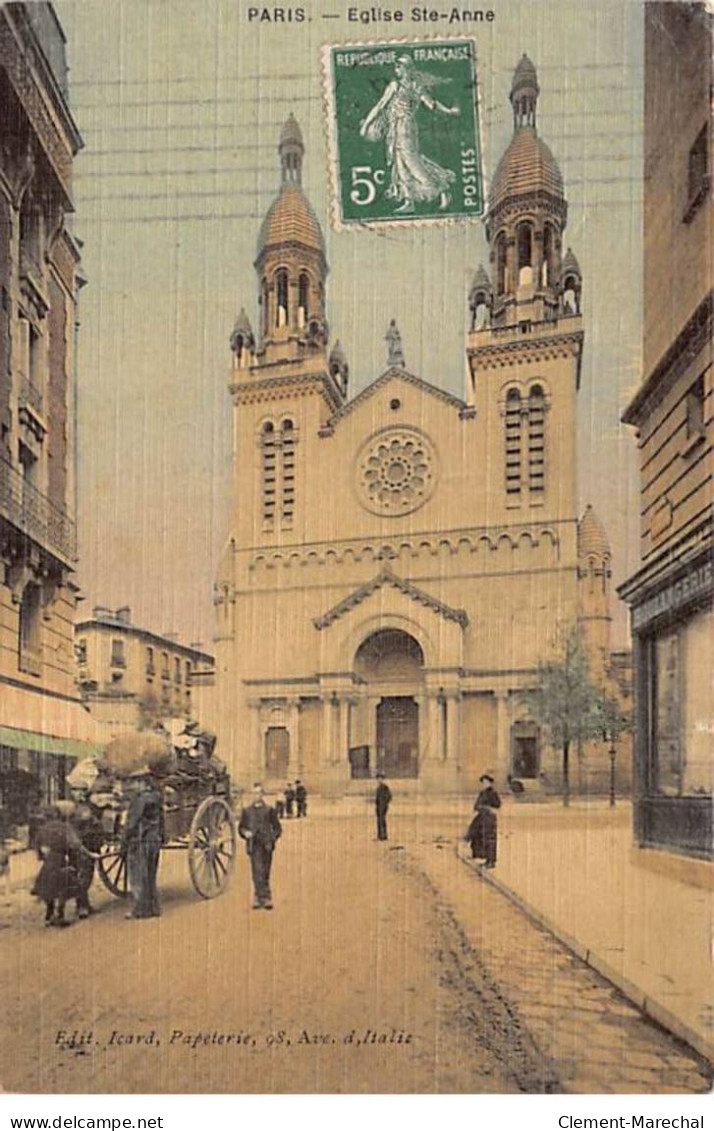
(356, 628)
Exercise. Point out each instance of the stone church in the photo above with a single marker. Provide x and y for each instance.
(401, 560)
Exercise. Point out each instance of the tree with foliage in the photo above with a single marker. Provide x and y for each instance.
(567, 704)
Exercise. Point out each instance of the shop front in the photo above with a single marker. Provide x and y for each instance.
(673, 629)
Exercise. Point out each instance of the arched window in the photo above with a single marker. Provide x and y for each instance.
(269, 470)
(30, 631)
(549, 267)
(536, 439)
(513, 443)
(303, 298)
(501, 265)
(571, 295)
(264, 304)
(281, 288)
(524, 242)
(287, 508)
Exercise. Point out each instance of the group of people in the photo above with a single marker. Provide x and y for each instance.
(70, 838)
(482, 833)
(295, 801)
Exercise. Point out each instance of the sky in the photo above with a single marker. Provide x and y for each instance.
(180, 104)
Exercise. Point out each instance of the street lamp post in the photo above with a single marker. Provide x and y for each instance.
(613, 756)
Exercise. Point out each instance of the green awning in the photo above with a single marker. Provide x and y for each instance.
(47, 743)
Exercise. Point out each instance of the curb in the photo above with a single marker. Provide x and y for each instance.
(649, 1006)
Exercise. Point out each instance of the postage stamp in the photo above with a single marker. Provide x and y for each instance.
(403, 130)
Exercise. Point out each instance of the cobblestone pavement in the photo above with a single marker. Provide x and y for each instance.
(589, 1036)
(369, 943)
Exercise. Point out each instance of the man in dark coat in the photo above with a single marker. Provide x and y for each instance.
(260, 828)
(142, 839)
(483, 831)
(89, 830)
(382, 798)
(289, 799)
(301, 798)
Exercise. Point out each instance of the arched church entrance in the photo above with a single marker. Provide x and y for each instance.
(391, 664)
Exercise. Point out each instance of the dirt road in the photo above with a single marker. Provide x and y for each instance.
(383, 968)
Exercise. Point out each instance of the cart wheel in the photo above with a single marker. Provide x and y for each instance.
(212, 847)
(113, 870)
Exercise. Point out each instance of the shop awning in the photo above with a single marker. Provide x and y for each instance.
(47, 743)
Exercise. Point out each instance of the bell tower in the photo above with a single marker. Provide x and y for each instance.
(525, 340)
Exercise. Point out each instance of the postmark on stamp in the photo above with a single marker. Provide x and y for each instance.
(403, 129)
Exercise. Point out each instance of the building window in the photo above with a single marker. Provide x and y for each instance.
(30, 634)
(536, 440)
(698, 174)
(264, 305)
(150, 666)
(282, 311)
(118, 659)
(80, 649)
(524, 242)
(269, 471)
(177, 670)
(303, 298)
(288, 472)
(501, 254)
(513, 443)
(165, 674)
(549, 271)
(695, 410)
(188, 673)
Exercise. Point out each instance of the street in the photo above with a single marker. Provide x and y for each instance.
(385, 967)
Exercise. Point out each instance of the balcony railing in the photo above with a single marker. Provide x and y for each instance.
(33, 513)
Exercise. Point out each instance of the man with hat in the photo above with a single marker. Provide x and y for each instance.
(260, 828)
(482, 833)
(142, 839)
(382, 798)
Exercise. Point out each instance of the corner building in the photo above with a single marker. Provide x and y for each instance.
(401, 561)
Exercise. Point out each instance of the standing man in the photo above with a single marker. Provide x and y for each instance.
(260, 828)
(289, 799)
(142, 839)
(301, 798)
(382, 798)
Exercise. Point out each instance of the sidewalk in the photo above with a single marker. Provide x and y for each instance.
(577, 873)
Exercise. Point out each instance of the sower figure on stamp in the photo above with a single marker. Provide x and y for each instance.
(382, 798)
(482, 833)
(142, 839)
(260, 828)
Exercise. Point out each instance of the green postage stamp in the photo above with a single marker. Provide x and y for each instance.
(403, 131)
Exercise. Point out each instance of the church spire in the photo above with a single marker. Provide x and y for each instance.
(524, 94)
(291, 150)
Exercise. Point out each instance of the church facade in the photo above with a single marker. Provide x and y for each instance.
(391, 622)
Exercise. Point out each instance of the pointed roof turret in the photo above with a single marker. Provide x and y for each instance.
(290, 218)
(337, 354)
(570, 265)
(592, 539)
(481, 281)
(242, 331)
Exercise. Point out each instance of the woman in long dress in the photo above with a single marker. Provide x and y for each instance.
(413, 176)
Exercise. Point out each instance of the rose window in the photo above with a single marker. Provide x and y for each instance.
(396, 472)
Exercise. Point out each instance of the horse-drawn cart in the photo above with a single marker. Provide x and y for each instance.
(198, 814)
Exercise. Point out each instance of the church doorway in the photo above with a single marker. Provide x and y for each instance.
(398, 737)
(277, 752)
(526, 750)
(385, 726)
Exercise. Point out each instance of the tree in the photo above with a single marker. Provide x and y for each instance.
(566, 703)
